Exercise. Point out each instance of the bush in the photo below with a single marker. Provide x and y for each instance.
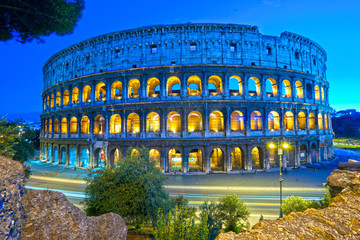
(295, 204)
(208, 211)
(233, 212)
(134, 190)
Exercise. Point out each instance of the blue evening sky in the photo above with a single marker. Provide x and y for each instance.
(335, 25)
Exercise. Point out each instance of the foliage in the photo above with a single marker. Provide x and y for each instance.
(233, 212)
(180, 223)
(347, 126)
(326, 198)
(295, 204)
(134, 190)
(208, 211)
(26, 20)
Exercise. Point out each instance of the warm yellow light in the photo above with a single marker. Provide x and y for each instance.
(174, 131)
(271, 145)
(285, 145)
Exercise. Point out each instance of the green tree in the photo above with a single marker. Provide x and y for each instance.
(26, 20)
(295, 204)
(208, 211)
(233, 212)
(133, 190)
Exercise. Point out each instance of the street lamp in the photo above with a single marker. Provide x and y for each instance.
(281, 145)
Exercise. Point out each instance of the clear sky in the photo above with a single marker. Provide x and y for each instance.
(334, 24)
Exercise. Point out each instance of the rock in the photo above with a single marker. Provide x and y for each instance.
(352, 166)
(36, 214)
(341, 220)
(353, 161)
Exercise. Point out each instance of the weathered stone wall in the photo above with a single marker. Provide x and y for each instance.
(35, 214)
(341, 220)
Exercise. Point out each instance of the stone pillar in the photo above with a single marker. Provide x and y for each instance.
(80, 86)
(108, 90)
(78, 156)
(142, 124)
(70, 94)
(206, 119)
(248, 162)
(228, 121)
(163, 123)
(207, 166)
(92, 93)
(185, 162)
(204, 82)
(142, 88)
(227, 161)
(52, 153)
(184, 122)
(163, 160)
(263, 86)
(107, 124)
(226, 92)
(296, 121)
(125, 89)
(247, 122)
(297, 154)
(162, 87)
(183, 89)
(166, 160)
(282, 119)
(67, 160)
(267, 157)
(123, 124)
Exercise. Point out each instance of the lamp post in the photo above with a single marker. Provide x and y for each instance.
(280, 146)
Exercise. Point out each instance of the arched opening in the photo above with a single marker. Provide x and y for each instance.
(194, 85)
(273, 158)
(175, 160)
(237, 159)
(289, 155)
(289, 121)
(322, 152)
(50, 126)
(99, 158)
(173, 86)
(194, 121)
(66, 98)
(237, 122)
(302, 121)
(322, 94)
(64, 126)
(326, 121)
(217, 160)
(173, 122)
(133, 88)
(56, 126)
(152, 83)
(309, 91)
(133, 123)
(49, 153)
(48, 101)
(73, 125)
(58, 99)
(254, 86)
(85, 125)
(235, 86)
(115, 123)
(46, 126)
(286, 89)
(86, 94)
(75, 95)
(72, 157)
(255, 121)
(313, 153)
(84, 158)
(299, 90)
(274, 121)
(100, 91)
(116, 90)
(317, 93)
(195, 160)
(257, 158)
(216, 121)
(271, 87)
(115, 157)
(134, 153)
(320, 121)
(62, 159)
(99, 124)
(216, 82)
(52, 101)
(153, 122)
(154, 156)
(303, 155)
(56, 155)
(312, 121)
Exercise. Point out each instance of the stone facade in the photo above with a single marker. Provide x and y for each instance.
(202, 97)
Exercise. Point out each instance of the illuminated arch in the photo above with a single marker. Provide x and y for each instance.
(286, 89)
(254, 86)
(115, 123)
(75, 95)
(194, 85)
(173, 86)
(257, 157)
(115, 157)
(48, 101)
(216, 121)
(195, 160)
(255, 121)
(271, 87)
(152, 83)
(116, 90)
(154, 156)
(273, 121)
(52, 101)
(320, 121)
(175, 160)
(46, 126)
(317, 93)
(173, 122)
(322, 94)
(237, 159)
(56, 126)
(302, 121)
(86, 94)
(66, 97)
(288, 121)
(85, 125)
(153, 122)
(133, 88)
(217, 160)
(237, 121)
(133, 123)
(216, 81)
(194, 121)
(73, 125)
(299, 90)
(99, 124)
(326, 121)
(50, 125)
(312, 121)
(58, 99)
(100, 91)
(235, 86)
(64, 126)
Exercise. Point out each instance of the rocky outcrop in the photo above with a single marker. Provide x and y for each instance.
(341, 220)
(36, 214)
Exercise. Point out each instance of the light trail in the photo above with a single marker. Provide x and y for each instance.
(52, 179)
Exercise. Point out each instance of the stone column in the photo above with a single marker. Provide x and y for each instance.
(124, 89)
(206, 119)
(207, 166)
(296, 121)
(185, 162)
(226, 92)
(70, 94)
(123, 124)
(228, 121)
(107, 124)
(184, 122)
(163, 123)
(67, 160)
(80, 86)
(263, 86)
(108, 90)
(227, 161)
(142, 124)
(204, 82)
(92, 93)
(297, 154)
(282, 119)
(183, 89)
(248, 162)
(162, 87)
(142, 88)
(163, 160)
(78, 156)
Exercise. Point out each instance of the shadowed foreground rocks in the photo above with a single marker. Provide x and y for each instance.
(37, 214)
(341, 220)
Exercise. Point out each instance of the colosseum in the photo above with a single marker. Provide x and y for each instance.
(202, 97)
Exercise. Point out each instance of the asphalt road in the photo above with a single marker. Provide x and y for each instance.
(260, 191)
